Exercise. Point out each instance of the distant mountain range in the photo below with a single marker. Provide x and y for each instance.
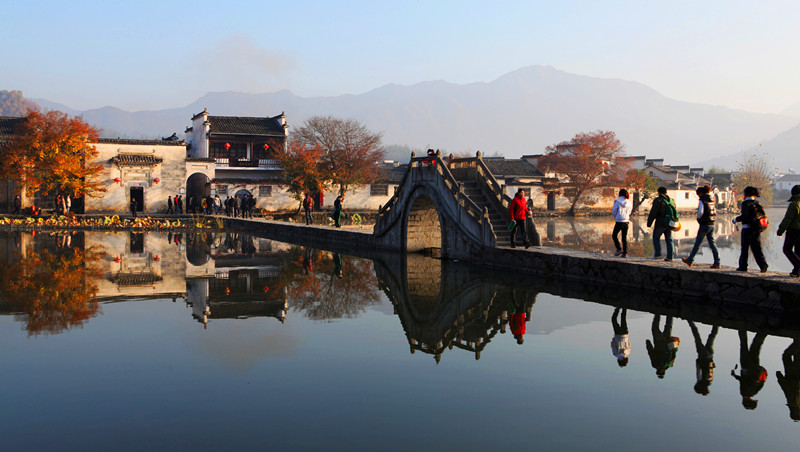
(518, 113)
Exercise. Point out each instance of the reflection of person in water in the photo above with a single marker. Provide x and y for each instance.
(620, 344)
(705, 359)
(337, 265)
(308, 261)
(753, 376)
(790, 382)
(664, 348)
(518, 318)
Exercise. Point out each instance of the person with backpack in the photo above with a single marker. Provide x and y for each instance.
(622, 212)
(706, 214)
(752, 225)
(662, 212)
(791, 226)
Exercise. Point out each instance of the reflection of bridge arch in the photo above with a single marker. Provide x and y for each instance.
(442, 305)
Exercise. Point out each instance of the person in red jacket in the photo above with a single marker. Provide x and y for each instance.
(518, 209)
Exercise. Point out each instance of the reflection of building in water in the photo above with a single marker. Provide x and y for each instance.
(238, 279)
(219, 275)
(442, 306)
(594, 233)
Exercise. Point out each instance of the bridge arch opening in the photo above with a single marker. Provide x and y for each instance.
(423, 227)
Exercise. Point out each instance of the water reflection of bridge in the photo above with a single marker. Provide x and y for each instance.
(444, 305)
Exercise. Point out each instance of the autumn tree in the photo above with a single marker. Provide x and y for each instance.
(755, 169)
(53, 151)
(351, 153)
(13, 104)
(588, 162)
(641, 185)
(302, 168)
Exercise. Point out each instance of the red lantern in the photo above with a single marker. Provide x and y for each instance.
(266, 288)
(227, 291)
(117, 180)
(266, 146)
(156, 180)
(118, 259)
(156, 258)
(227, 147)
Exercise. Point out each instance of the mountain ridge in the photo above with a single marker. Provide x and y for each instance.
(517, 113)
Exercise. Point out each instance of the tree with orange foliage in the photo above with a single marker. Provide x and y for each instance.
(53, 151)
(589, 162)
(302, 170)
(351, 153)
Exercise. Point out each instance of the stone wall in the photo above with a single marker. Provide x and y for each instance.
(669, 280)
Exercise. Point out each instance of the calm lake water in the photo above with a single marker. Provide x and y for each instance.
(228, 342)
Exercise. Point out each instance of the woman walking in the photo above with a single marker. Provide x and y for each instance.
(706, 214)
(622, 214)
(791, 226)
(751, 230)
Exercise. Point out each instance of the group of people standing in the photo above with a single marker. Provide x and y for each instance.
(663, 217)
(234, 206)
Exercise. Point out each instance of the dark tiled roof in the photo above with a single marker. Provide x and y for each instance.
(789, 177)
(511, 167)
(240, 125)
(136, 160)
(392, 174)
(142, 142)
(7, 126)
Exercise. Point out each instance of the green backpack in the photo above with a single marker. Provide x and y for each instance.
(672, 212)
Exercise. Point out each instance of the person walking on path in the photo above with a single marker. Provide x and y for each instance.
(67, 203)
(706, 214)
(705, 359)
(337, 211)
(518, 209)
(620, 344)
(179, 204)
(661, 213)
(622, 215)
(753, 376)
(17, 205)
(133, 208)
(791, 226)
(169, 205)
(308, 206)
(751, 230)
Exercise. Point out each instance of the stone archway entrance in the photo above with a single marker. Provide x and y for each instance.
(197, 186)
(423, 228)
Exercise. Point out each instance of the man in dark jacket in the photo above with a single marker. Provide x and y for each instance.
(706, 215)
(751, 230)
(791, 226)
(658, 215)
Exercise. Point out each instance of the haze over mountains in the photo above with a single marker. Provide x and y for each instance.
(518, 113)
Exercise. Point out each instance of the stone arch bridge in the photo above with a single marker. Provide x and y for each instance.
(456, 207)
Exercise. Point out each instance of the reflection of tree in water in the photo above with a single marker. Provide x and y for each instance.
(322, 293)
(54, 291)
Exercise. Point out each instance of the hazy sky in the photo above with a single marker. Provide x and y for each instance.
(150, 55)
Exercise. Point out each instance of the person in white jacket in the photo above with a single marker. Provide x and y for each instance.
(622, 214)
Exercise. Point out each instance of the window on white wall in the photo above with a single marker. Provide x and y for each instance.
(264, 190)
(379, 190)
(222, 189)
